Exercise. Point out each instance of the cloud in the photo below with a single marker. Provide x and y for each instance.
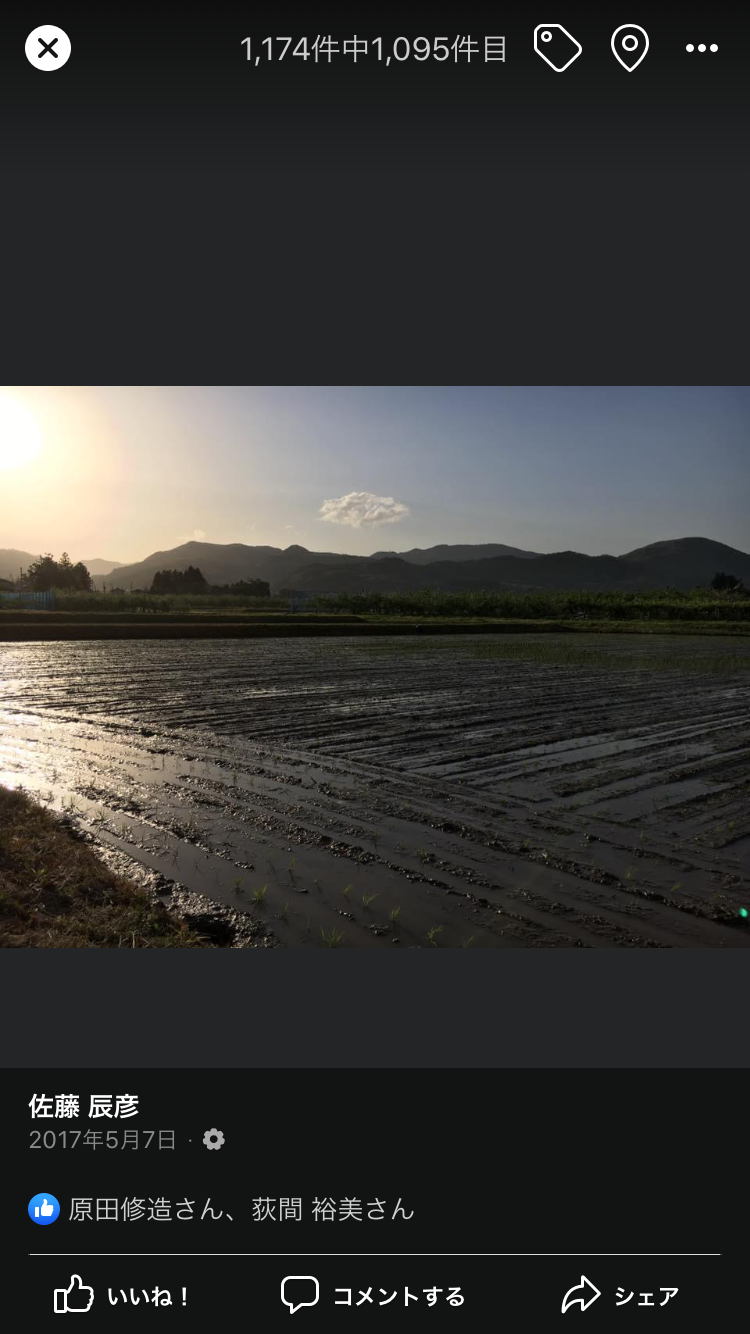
(199, 535)
(362, 507)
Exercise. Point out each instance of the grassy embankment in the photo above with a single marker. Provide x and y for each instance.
(143, 615)
(661, 605)
(698, 604)
(55, 892)
(182, 603)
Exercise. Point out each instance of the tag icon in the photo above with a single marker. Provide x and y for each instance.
(556, 46)
(629, 45)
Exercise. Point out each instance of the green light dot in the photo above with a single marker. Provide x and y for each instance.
(743, 912)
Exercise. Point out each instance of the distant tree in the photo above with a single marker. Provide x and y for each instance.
(179, 581)
(47, 573)
(193, 581)
(40, 575)
(81, 577)
(727, 583)
(248, 588)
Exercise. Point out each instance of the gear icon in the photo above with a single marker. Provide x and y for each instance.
(213, 1139)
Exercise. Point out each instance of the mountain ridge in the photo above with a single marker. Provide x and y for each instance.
(99, 565)
(678, 562)
(12, 561)
(455, 551)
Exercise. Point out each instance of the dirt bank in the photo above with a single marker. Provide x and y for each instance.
(56, 891)
(50, 626)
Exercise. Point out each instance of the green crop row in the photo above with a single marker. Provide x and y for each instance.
(662, 604)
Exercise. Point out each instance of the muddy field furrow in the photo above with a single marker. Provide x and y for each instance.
(430, 795)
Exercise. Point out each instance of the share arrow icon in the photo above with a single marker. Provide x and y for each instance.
(583, 1294)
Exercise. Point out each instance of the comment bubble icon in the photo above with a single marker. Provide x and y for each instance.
(298, 1290)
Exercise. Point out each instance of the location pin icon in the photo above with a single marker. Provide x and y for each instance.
(630, 44)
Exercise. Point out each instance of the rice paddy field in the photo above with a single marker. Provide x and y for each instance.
(432, 792)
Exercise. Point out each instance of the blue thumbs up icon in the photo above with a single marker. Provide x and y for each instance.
(43, 1209)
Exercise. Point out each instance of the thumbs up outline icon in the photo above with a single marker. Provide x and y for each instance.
(75, 1299)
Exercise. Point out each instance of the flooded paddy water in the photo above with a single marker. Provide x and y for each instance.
(394, 793)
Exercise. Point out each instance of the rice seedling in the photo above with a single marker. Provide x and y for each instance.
(394, 914)
(331, 939)
(367, 899)
(259, 895)
(433, 932)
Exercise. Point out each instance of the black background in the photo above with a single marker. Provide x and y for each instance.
(175, 214)
(515, 1169)
(172, 215)
(279, 1009)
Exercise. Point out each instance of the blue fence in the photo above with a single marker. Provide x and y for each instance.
(299, 601)
(45, 600)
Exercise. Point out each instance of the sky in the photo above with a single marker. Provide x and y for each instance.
(121, 472)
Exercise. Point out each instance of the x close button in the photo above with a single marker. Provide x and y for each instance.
(47, 47)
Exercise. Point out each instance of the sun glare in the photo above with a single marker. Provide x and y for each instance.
(20, 436)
